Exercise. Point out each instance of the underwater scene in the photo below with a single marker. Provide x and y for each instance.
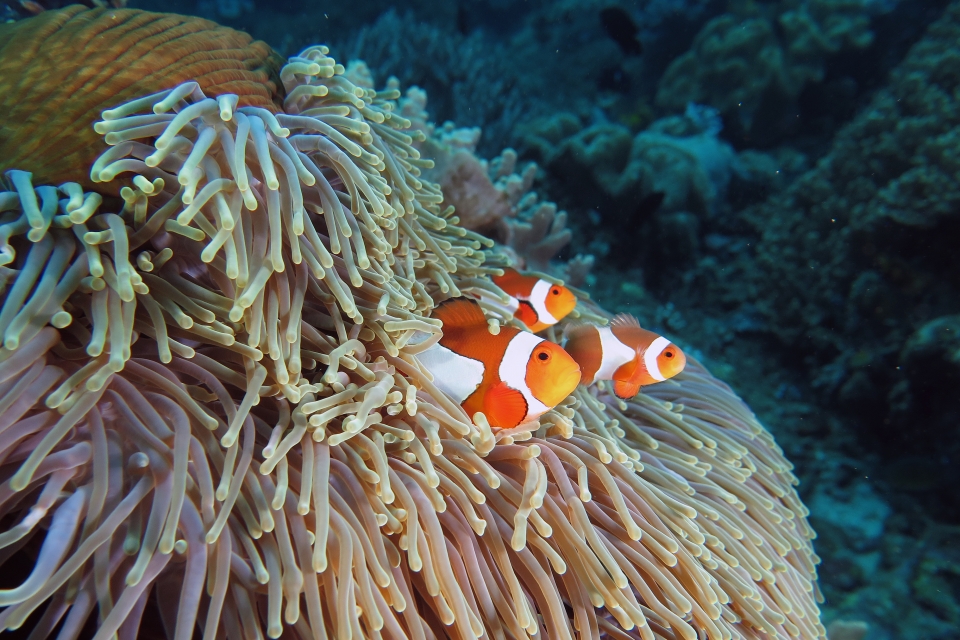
(501, 319)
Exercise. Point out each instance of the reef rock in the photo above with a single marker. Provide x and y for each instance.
(745, 63)
(679, 156)
(859, 254)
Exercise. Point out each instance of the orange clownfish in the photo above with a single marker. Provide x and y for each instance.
(534, 301)
(625, 353)
(512, 377)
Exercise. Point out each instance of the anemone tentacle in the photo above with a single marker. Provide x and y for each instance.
(210, 397)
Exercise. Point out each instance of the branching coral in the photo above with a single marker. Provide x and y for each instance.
(496, 197)
(212, 405)
(459, 71)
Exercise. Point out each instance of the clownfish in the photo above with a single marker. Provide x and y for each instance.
(533, 301)
(512, 377)
(623, 352)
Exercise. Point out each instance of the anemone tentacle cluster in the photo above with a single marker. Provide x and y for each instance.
(211, 405)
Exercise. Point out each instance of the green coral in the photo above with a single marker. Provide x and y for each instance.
(818, 28)
(936, 587)
(926, 193)
(738, 61)
(674, 156)
(597, 156)
(731, 64)
(860, 252)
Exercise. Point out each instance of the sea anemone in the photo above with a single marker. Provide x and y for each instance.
(59, 70)
(211, 405)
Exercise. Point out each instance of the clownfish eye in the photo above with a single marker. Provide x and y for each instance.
(555, 291)
(543, 356)
(668, 354)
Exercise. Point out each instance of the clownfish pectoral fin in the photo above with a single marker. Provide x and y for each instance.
(537, 327)
(626, 390)
(504, 407)
(460, 313)
(628, 371)
(526, 314)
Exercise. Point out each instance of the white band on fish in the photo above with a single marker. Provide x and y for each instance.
(650, 358)
(613, 354)
(456, 375)
(513, 369)
(538, 300)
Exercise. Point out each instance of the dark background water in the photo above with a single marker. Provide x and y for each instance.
(774, 184)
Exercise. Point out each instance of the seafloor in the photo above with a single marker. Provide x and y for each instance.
(775, 185)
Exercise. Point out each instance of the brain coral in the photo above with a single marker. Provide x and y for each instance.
(56, 77)
(213, 412)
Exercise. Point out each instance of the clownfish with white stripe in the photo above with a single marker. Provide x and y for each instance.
(623, 352)
(512, 377)
(533, 301)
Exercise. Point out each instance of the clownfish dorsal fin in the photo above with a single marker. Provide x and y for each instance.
(509, 273)
(504, 407)
(626, 390)
(625, 320)
(460, 313)
(628, 331)
(514, 283)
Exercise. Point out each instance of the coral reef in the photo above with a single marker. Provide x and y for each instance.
(458, 71)
(210, 384)
(914, 561)
(850, 265)
(654, 189)
(840, 294)
(756, 60)
(853, 258)
(495, 197)
(679, 156)
(848, 630)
